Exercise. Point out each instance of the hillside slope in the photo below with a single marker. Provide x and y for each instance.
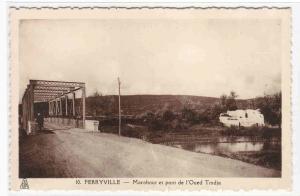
(138, 104)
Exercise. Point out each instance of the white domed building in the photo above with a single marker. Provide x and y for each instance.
(245, 118)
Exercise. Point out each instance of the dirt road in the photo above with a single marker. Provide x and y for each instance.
(78, 153)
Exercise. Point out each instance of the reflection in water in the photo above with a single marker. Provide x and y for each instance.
(227, 147)
(265, 152)
(232, 145)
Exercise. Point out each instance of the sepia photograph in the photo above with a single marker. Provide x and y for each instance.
(153, 96)
(156, 94)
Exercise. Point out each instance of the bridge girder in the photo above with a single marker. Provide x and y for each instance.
(53, 93)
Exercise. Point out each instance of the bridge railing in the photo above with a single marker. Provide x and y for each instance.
(71, 122)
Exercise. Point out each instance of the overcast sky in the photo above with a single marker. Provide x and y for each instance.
(188, 57)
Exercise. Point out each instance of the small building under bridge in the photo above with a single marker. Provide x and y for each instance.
(60, 102)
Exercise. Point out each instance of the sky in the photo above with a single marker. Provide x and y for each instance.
(204, 57)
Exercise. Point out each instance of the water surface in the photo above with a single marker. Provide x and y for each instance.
(225, 145)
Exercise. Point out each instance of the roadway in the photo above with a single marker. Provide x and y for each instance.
(71, 153)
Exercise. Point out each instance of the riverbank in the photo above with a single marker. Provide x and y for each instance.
(258, 146)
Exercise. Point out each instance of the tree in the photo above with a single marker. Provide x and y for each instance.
(168, 115)
(277, 107)
(233, 95)
(223, 100)
(270, 107)
(228, 102)
(189, 115)
(96, 94)
(231, 101)
(95, 102)
(214, 112)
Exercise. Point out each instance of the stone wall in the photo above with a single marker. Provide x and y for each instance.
(70, 122)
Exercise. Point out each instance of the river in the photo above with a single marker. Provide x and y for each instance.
(259, 151)
(232, 145)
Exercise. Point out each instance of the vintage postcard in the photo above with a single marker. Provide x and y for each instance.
(150, 99)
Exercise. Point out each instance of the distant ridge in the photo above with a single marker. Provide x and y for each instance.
(139, 104)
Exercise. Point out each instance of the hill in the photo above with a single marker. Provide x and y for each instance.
(139, 104)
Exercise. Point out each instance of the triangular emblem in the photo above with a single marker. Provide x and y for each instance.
(24, 184)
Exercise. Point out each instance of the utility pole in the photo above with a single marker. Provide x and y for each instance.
(119, 84)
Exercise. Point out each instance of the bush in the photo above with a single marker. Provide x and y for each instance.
(190, 115)
(270, 107)
(156, 124)
(168, 115)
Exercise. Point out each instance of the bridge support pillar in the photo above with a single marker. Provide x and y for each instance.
(73, 104)
(66, 103)
(60, 106)
(56, 107)
(49, 108)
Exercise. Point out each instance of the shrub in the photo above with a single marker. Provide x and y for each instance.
(190, 115)
(168, 115)
(156, 124)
